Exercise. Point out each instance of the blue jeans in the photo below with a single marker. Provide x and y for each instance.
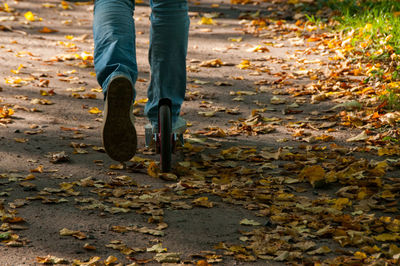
(115, 52)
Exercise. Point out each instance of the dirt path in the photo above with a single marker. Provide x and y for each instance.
(263, 135)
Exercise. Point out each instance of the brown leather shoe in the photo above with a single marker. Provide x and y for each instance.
(119, 133)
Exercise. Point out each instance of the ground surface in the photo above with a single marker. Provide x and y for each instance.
(258, 127)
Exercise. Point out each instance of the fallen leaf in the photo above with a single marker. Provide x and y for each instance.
(153, 170)
(110, 260)
(206, 21)
(203, 202)
(168, 176)
(95, 110)
(167, 257)
(319, 251)
(314, 174)
(277, 100)
(351, 105)
(360, 137)
(31, 17)
(207, 114)
(158, 248)
(59, 157)
(387, 237)
(212, 63)
(47, 30)
(88, 246)
(249, 222)
(51, 260)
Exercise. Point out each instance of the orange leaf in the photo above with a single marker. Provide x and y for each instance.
(47, 30)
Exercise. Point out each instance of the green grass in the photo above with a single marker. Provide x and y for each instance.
(392, 98)
(357, 14)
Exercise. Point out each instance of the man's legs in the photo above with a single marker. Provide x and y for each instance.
(167, 55)
(116, 69)
(114, 41)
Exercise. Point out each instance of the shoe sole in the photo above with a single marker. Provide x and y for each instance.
(119, 133)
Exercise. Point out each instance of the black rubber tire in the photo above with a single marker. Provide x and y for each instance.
(165, 127)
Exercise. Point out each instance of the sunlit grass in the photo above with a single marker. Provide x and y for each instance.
(376, 23)
(373, 25)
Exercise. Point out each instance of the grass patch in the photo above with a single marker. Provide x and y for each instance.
(375, 21)
(374, 25)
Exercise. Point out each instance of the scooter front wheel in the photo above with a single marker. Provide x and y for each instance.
(165, 133)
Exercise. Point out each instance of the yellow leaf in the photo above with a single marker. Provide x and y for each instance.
(47, 5)
(6, 112)
(67, 232)
(387, 194)
(94, 110)
(168, 176)
(245, 64)
(362, 194)
(41, 101)
(31, 17)
(66, 186)
(117, 166)
(7, 8)
(20, 140)
(321, 250)
(144, 100)
(258, 48)
(51, 260)
(65, 5)
(314, 174)
(44, 93)
(216, 132)
(18, 69)
(380, 169)
(206, 21)
(212, 63)
(341, 203)
(29, 177)
(110, 260)
(368, 27)
(153, 170)
(394, 250)
(387, 237)
(236, 39)
(284, 196)
(246, 221)
(96, 90)
(360, 255)
(203, 202)
(207, 114)
(92, 261)
(86, 56)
